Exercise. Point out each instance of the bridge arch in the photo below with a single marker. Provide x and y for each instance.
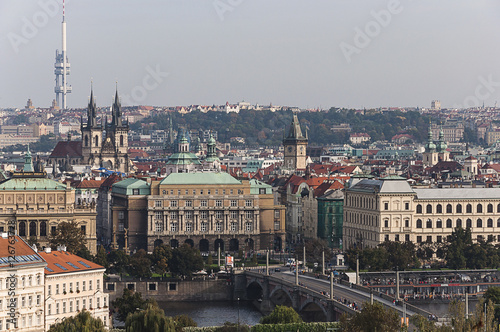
(280, 296)
(312, 311)
(255, 291)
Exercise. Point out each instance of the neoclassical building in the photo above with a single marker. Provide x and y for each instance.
(37, 205)
(390, 209)
(206, 210)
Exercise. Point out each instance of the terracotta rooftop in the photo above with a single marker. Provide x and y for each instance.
(65, 262)
(22, 255)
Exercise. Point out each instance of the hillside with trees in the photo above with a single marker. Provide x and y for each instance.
(267, 128)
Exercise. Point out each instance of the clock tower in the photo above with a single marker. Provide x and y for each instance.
(295, 145)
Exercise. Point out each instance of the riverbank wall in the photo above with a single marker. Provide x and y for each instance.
(174, 289)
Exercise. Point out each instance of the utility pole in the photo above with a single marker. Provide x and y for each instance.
(218, 256)
(296, 272)
(267, 262)
(397, 284)
(305, 268)
(331, 285)
(323, 263)
(357, 271)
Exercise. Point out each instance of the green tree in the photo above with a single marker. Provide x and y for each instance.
(182, 321)
(118, 261)
(140, 264)
(232, 327)
(210, 259)
(128, 303)
(162, 254)
(372, 318)
(493, 294)
(69, 235)
(281, 315)
(151, 319)
(83, 322)
(102, 258)
(185, 260)
(460, 239)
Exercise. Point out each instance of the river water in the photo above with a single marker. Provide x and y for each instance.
(214, 313)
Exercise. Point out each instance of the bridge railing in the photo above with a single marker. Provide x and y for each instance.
(368, 291)
(321, 297)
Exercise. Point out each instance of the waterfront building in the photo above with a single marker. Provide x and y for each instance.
(37, 205)
(73, 284)
(389, 209)
(26, 287)
(331, 217)
(206, 210)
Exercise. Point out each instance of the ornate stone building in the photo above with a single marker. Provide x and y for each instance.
(37, 205)
(206, 210)
(390, 209)
(103, 144)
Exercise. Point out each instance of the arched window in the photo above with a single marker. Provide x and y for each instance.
(428, 223)
(22, 228)
(490, 208)
(43, 228)
(419, 208)
(468, 209)
(428, 208)
(479, 223)
(32, 228)
(498, 208)
(479, 208)
(498, 222)
(449, 209)
(468, 223)
(86, 140)
(448, 223)
(419, 223)
(459, 208)
(490, 223)
(459, 223)
(121, 140)
(439, 223)
(96, 140)
(439, 208)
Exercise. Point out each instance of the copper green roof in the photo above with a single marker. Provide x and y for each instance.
(31, 184)
(131, 186)
(199, 178)
(183, 158)
(256, 185)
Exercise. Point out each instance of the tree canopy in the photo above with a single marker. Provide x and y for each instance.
(185, 260)
(151, 319)
(128, 303)
(372, 318)
(281, 315)
(69, 235)
(83, 322)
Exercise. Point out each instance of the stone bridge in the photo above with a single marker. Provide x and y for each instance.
(268, 291)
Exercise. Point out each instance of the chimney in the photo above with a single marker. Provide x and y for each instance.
(48, 250)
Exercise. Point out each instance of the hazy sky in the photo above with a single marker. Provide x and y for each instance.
(321, 53)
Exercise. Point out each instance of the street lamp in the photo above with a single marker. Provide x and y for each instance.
(238, 314)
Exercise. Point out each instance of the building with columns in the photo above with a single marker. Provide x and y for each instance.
(390, 209)
(205, 210)
(37, 205)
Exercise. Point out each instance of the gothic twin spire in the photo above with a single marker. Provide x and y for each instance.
(116, 113)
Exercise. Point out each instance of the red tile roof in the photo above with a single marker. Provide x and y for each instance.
(90, 184)
(65, 262)
(21, 253)
(67, 148)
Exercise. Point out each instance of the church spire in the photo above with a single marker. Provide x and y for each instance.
(28, 162)
(116, 112)
(91, 110)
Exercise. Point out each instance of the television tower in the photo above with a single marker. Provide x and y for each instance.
(62, 67)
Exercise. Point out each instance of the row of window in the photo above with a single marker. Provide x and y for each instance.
(458, 208)
(219, 227)
(23, 302)
(458, 223)
(203, 203)
(174, 215)
(439, 238)
(203, 192)
(70, 289)
(24, 281)
(77, 305)
(34, 230)
(21, 322)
